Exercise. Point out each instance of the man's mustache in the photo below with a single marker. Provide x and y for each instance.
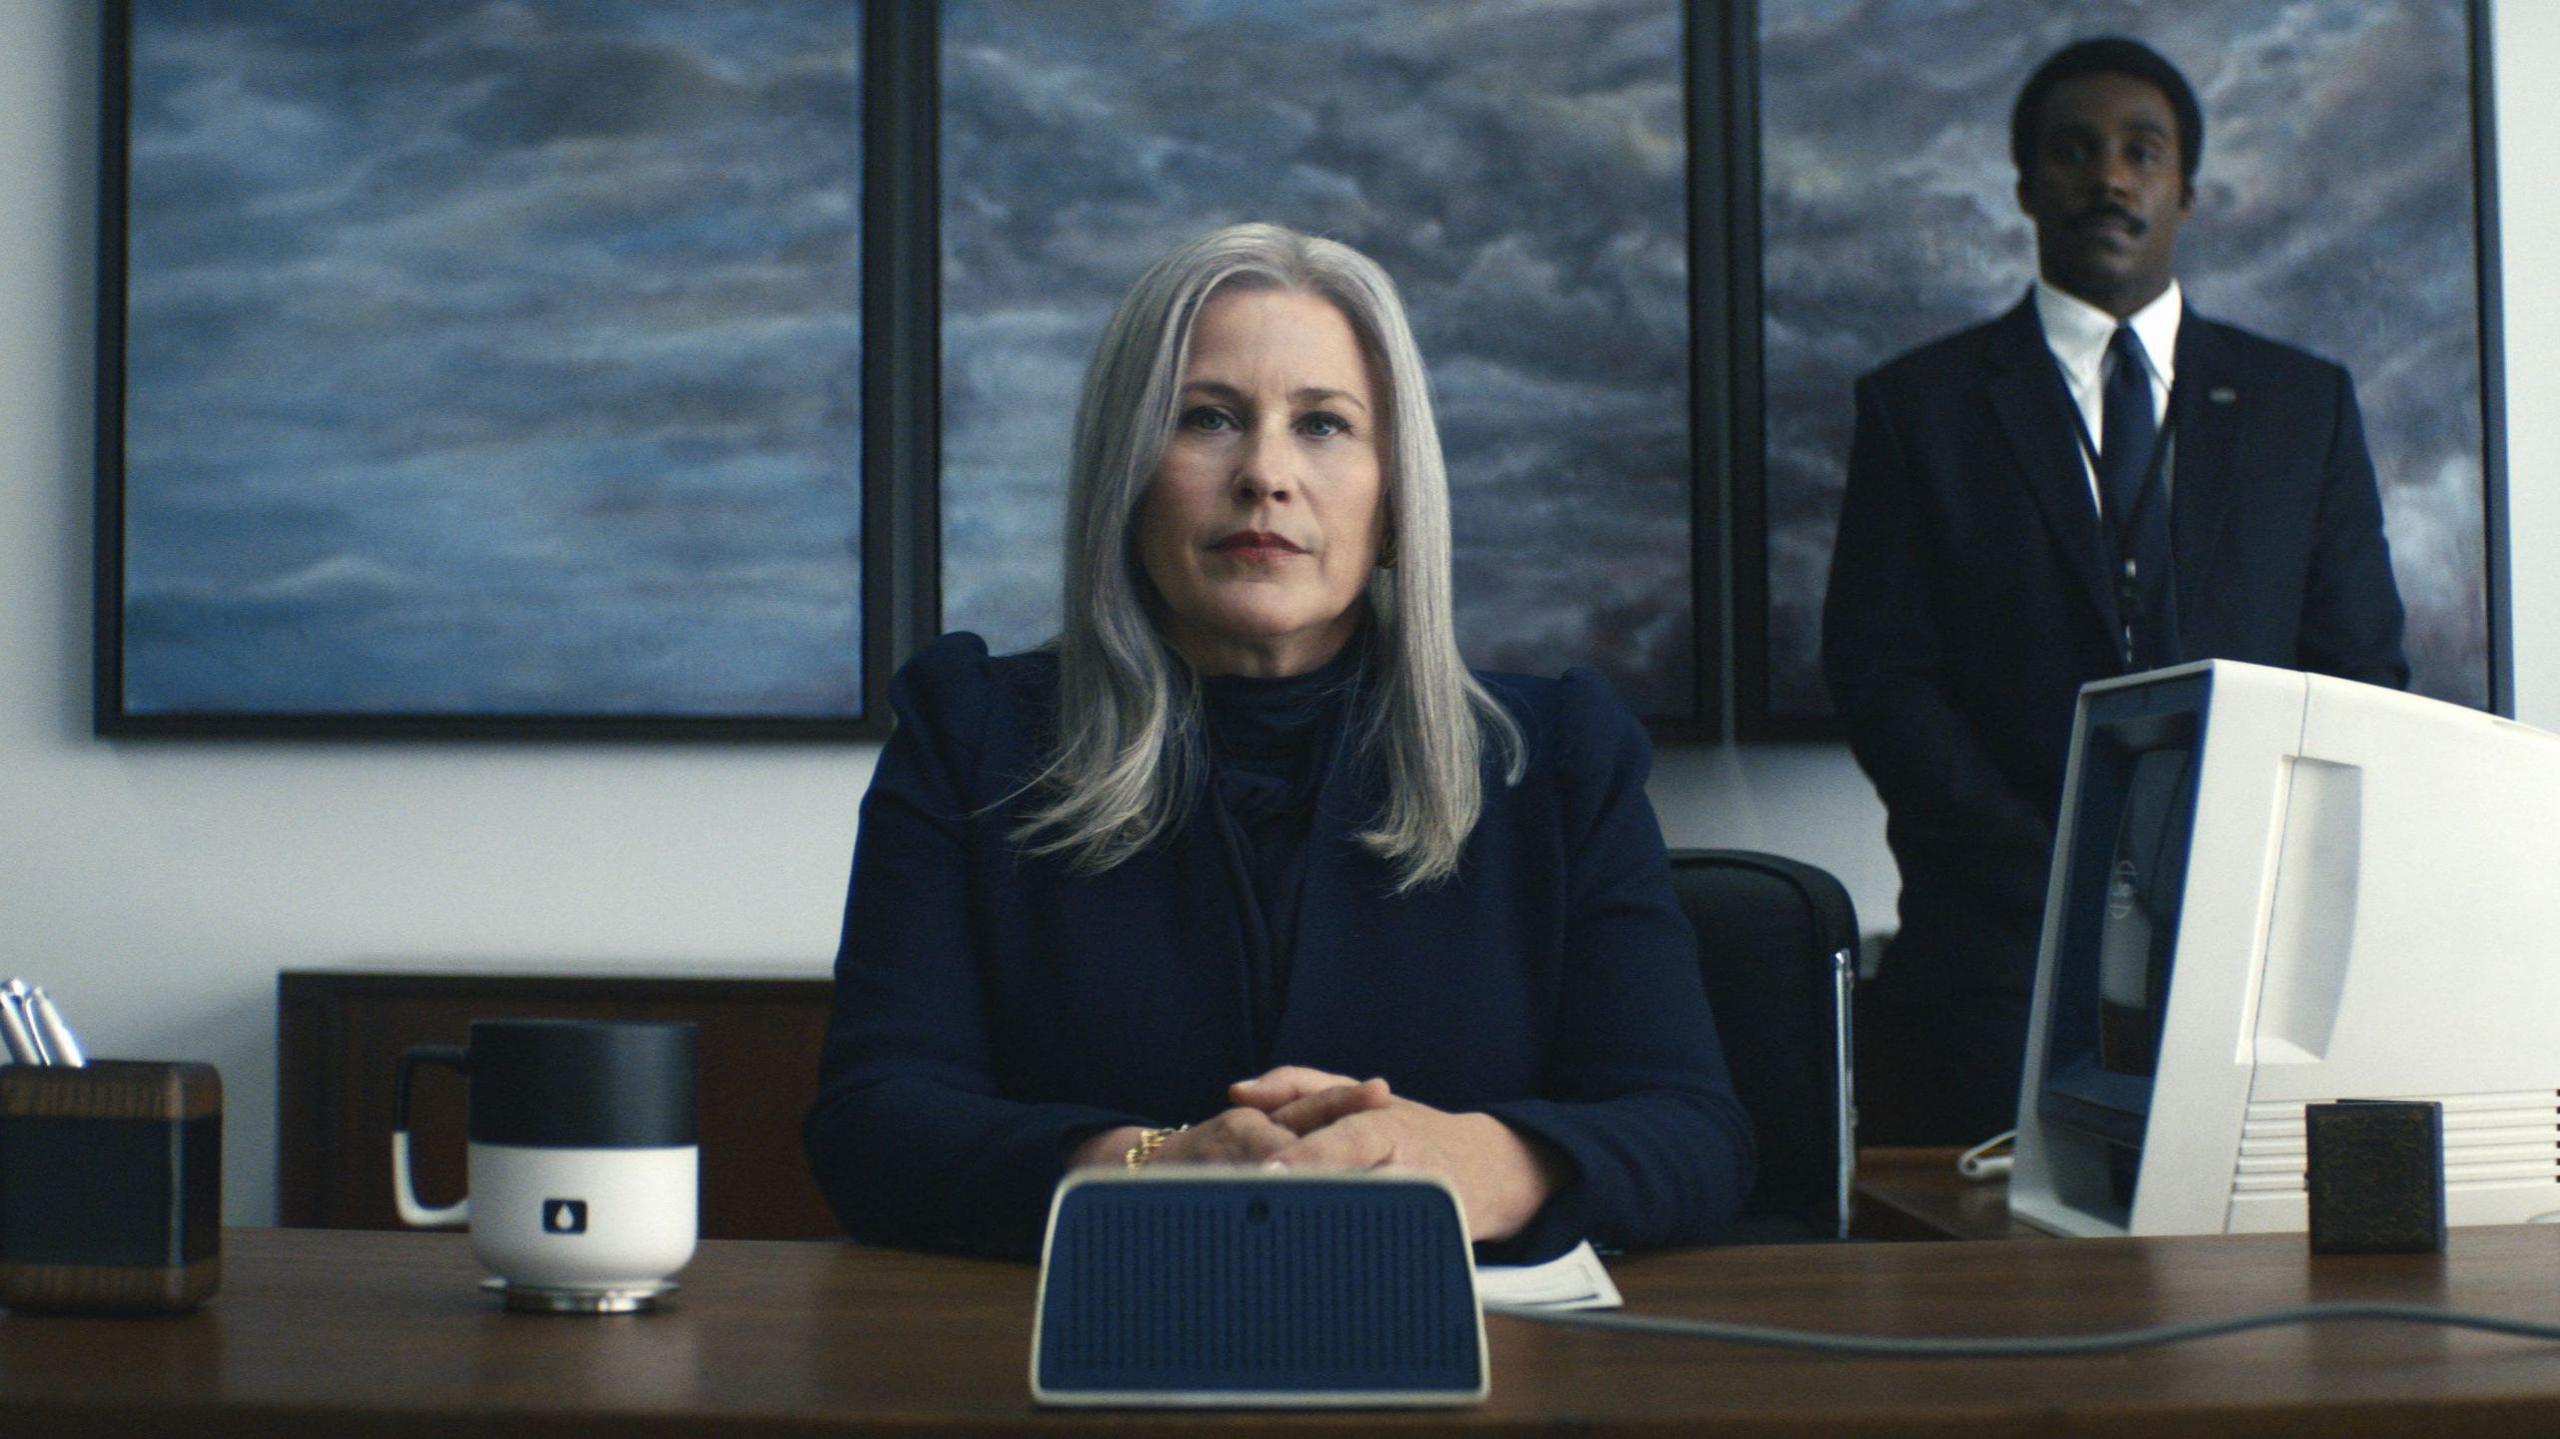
(2132, 222)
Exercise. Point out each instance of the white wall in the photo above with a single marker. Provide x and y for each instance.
(157, 887)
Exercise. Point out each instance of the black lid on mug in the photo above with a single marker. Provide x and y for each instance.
(582, 1083)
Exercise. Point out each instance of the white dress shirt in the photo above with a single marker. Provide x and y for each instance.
(2078, 334)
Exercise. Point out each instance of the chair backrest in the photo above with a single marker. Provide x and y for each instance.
(1778, 942)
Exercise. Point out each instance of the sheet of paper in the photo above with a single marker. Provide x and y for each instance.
(1575, 1280)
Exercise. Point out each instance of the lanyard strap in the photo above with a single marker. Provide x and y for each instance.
(2118, 528)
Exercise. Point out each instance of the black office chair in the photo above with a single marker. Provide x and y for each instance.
(1778, 941)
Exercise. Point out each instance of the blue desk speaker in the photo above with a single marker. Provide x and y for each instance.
(1216, 1288)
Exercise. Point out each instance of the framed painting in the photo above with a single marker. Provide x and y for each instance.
(479, 370)
(1524, 170)
(2343, 205)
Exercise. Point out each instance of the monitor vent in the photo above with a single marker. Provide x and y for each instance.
(2490, 1141)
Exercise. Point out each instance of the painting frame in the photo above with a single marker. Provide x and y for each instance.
(898, 305)
(1663, 648)
(863, 715)
(1763, 649)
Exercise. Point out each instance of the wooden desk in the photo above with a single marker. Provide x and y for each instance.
(329, 1332)
(1917, 1194)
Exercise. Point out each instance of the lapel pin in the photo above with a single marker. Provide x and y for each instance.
(2222, 394)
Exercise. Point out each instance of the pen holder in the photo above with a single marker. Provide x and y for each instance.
(110, 1186)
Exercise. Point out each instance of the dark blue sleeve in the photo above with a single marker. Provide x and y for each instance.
(1636, 1095)
(909, 1138)
(2351, 614)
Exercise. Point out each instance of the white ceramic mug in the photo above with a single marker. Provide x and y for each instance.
(584, 1168)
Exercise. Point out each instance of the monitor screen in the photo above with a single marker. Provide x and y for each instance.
(2124, 868)
(2140, 917)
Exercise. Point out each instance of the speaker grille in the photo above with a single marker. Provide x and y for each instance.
(1283, 1286)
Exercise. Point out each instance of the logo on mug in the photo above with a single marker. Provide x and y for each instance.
(564, 1216)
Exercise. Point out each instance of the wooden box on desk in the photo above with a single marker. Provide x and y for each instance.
(110, 1186)
(340, 1032)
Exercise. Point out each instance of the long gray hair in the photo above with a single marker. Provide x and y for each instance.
(1128, 760)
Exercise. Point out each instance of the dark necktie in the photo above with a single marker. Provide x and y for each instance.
(2145, 598)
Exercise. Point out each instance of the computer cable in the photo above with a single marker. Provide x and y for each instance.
(1980, 1163)
(2030, 1346)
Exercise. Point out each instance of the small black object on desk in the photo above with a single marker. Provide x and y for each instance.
(2376, 1176)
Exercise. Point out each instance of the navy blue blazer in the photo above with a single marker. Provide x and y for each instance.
(1970, 600)
(993, 1011)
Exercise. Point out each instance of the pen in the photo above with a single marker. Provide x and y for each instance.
(60, 1044)
(14, 1028)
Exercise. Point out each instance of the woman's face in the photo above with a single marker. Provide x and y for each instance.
(1264, 518)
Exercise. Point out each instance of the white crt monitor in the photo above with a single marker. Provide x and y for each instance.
(2270, 890)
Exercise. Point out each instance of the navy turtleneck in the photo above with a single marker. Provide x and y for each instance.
(1271, 743)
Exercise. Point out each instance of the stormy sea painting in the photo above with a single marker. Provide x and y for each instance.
(2335, 211)
(1518, 166)
(492, 359)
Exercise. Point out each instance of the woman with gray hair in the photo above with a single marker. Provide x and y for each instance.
(1247, 867)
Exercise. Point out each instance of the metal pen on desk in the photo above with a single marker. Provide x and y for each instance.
(17, 1027)
(61, 1046)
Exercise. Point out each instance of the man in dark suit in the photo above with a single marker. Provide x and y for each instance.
(2100, 481)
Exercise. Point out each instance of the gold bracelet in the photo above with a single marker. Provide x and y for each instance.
(1141, 1153)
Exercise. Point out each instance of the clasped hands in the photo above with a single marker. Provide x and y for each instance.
(1299, 1118)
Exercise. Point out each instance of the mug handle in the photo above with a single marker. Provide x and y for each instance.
(404, 1188)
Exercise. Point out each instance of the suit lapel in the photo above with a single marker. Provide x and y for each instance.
(2034, 410)
(2208, 399)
